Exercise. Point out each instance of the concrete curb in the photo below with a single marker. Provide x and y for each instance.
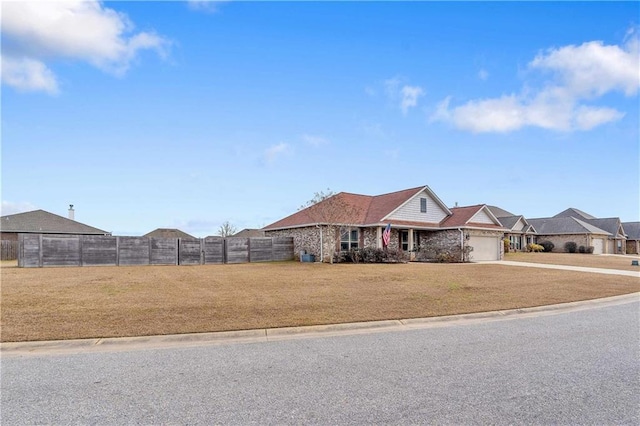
(115, 344)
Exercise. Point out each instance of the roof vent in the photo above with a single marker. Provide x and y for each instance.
(71, 212)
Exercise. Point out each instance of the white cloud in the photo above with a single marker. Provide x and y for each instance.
(276, 151)
(406, 96)
(210, 6)
(28, 75)
(11, 207)
(314, 140)
(410, 95)
(578, 74)
(36, 32)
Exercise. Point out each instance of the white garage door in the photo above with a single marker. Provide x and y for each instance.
(484, 248)
(598, 245)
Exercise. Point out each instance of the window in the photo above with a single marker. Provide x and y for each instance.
(404, 240)
(349, 238)
(423, 205)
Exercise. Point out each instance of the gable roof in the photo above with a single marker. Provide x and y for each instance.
(463, 216)
(498, 212)
(632, 229)
(358, 209)
(43, 222)
(510, 221)
(611, 224)
(573, 212)
(249, 233)
(168, 233)
(564, 225)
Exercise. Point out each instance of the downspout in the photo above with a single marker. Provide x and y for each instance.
(461, 244)
(321, 244)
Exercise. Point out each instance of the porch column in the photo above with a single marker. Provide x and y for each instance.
(379, 237)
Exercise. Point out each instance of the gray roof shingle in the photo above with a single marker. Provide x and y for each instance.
(168, 233)
(564, 225)
(43, 222)
(573, 212)
(632, 229)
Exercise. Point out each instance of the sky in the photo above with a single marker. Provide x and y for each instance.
(186, 115)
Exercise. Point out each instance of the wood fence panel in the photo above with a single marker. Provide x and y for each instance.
(9, 250)
(213, 250)
(189, 252)
(99, 250)
(237, 250)
(260, 249)
(282, 248)
(29, 250)
(133, 250)
(164, 251)
(61, 250)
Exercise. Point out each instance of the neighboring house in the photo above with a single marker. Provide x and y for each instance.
(633, 236)
(249, 233)
(519, 231)
(616, 238)
(38, 222)
(560, 230)
(168, 233)
(417, 218)
(42, 222)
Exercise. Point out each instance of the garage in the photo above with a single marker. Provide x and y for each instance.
(484, 248)
(598, 245)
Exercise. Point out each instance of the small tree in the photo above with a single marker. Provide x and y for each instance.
(227, 229)
(570, 247)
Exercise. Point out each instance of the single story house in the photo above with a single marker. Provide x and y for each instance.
(416, 216)
(605, 235)
(632, 230)
(42, 222)
(169, 233)
(519, 231)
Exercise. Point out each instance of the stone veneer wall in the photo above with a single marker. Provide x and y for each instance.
(370, 237)
(438, 241)
(308, 239)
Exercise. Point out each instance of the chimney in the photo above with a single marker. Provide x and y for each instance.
(453, 206)
(71, 212)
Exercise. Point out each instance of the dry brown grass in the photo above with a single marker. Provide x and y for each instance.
(577, 259)
(66, 303)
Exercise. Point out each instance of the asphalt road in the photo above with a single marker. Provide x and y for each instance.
(578, 367)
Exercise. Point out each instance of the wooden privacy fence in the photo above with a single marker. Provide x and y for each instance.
(39, 250)
(9, 250)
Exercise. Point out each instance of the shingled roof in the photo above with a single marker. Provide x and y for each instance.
(564, 225)
(573, 212)
(168, 233)
(43, 222)
(363, 209)
(632, 229)
(367, 210)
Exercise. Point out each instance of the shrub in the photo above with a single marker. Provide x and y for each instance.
(547, 245)
(590, 249)
(570, 247)
(534, 248)
(507, 245)
(370, 255)
(582, 249)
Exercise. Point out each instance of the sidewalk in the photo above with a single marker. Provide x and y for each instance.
(567, 268)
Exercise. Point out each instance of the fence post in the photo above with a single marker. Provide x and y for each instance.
(40, 250)
(117, 251)
(202, 251)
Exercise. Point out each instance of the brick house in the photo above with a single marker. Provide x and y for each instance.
(417, 218)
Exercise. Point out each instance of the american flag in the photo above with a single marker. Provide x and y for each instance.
(386, 235)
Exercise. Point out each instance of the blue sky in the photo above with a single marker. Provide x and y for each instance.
(188, 114)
